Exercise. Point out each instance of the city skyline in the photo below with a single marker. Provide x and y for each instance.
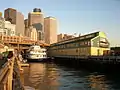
(78, 16)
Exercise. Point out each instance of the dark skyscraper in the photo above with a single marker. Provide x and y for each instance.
(16, 18)
(10, 15)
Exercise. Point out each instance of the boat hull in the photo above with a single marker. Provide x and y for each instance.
(39, 60)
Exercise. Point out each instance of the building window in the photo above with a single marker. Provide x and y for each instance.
(88, 43)
(91, 43)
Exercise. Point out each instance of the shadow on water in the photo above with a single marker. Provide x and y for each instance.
(89, 65)
(97, 73)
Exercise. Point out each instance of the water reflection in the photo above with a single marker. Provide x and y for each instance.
(36, 74)
(41, 76)
(97, 82)
(49, 76)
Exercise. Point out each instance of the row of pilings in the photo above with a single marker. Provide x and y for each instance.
(90, 64)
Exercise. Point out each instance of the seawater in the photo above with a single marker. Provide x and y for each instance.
(51, 76)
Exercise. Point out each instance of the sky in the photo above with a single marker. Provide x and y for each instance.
(76, 16)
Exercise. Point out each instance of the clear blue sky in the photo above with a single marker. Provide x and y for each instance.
(76, 16)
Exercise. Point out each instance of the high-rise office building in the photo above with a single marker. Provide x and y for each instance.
(10, 15)
(36, 20)
(50, 28)
(20, 27)
(16, 18)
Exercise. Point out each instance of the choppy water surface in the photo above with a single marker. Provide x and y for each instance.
(49, 76)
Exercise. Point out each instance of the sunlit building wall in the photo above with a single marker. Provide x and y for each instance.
(62, 37)
(20, 24)
(2, 26)
(50, 27)
(9, 28)
(33, 33)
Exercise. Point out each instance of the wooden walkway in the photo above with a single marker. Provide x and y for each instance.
(10, 74)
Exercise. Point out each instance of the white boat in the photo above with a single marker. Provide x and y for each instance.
(35, 52)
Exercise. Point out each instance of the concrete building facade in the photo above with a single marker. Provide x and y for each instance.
(16, 18)
(36, 19)
(6, 28)
(62, 37)
(31, 32)
(20, 24)
(9, 28)
(50, 28)
(2, 25)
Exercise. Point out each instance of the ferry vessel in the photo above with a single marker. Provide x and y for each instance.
(36, 52)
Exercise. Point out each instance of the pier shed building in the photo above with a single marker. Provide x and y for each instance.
(92, 44)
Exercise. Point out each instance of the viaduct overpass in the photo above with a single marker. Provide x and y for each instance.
(19, 42)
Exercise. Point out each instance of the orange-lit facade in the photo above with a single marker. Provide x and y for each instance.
(20, 24)
(50, 28)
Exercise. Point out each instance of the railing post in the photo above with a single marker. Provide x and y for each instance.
(10, 77)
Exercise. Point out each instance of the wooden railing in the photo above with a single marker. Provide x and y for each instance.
(6, 75)
(9, 75)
